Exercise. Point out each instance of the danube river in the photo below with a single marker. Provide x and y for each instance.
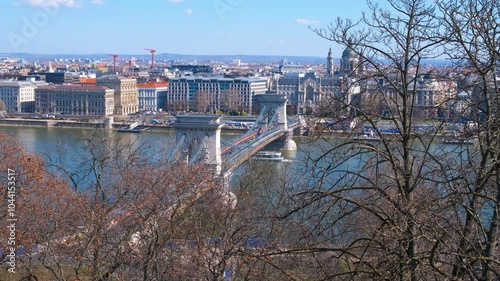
(50, 141)
(66, 145)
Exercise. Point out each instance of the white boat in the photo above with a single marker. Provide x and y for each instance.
(366, 137)
(133, 128)
(457, 139)
(268, 156)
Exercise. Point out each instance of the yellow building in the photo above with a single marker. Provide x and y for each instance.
(126, 93)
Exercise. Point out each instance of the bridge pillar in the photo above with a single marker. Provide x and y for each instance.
(196, 131)
(227, 197)
(276, 103)
(289, 144)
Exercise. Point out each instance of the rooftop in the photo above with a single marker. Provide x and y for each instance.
(153, 85)
(85, 80)
(113, 78)
(16, 83)
(220, 78)
(80, 87)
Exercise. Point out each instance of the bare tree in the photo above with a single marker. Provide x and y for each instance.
(117, 211)
(3, 107)
(43, 208)
(203, 101)
(364, 212)
(231, 101)
(472, 31)
(405, 208)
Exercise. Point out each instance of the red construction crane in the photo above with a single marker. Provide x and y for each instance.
(114, 61)
(152, 57)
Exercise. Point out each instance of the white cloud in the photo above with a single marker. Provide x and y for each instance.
(306, 21)
(53, 3)
(97, 2)
(188, 12)
(175, 1)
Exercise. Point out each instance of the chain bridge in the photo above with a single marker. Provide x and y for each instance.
(198, 140)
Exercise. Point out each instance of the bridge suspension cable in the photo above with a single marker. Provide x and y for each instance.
(180, 143)
(201, 149)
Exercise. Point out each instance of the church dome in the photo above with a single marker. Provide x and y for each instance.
(349, 53)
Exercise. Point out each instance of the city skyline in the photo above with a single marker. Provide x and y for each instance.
(190, 27)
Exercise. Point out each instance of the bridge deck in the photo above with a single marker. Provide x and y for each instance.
(249, 144)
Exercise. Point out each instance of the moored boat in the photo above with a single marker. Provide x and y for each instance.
(454, 140)
(268, 156)
(366, 137)
(457, 139)
(133, 128)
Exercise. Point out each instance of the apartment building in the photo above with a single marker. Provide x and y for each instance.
(210, 94)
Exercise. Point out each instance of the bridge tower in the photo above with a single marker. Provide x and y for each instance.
(277, 104)
(198, 140)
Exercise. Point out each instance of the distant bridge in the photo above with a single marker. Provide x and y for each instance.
(198, 140)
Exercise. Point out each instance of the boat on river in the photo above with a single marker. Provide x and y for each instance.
(268, 156)
(457, 139)
(462, 140)
(366, 137)
(133, 128)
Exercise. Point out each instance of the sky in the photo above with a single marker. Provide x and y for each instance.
(198, 27)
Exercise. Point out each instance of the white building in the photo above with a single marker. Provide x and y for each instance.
(77, 100)
(152, 96)
(19, 96)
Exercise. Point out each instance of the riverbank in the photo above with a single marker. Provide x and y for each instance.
(17, 122)
(45, 123)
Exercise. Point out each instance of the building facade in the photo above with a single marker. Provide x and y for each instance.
(126, 98)
(19, 96)
(75, 100)
(210, 94)
(311, 92)
(433, 96)
(307, 91)
(152, 96)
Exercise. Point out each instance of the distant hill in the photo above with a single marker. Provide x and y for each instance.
(244, 58)
(267, 59)
(178, 57)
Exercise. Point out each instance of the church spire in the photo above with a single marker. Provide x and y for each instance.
(329, 63)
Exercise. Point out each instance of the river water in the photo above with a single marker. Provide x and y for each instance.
(48, 141)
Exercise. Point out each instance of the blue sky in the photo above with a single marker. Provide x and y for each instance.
(251, 27)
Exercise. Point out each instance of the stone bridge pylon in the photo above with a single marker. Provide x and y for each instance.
(198, 140)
